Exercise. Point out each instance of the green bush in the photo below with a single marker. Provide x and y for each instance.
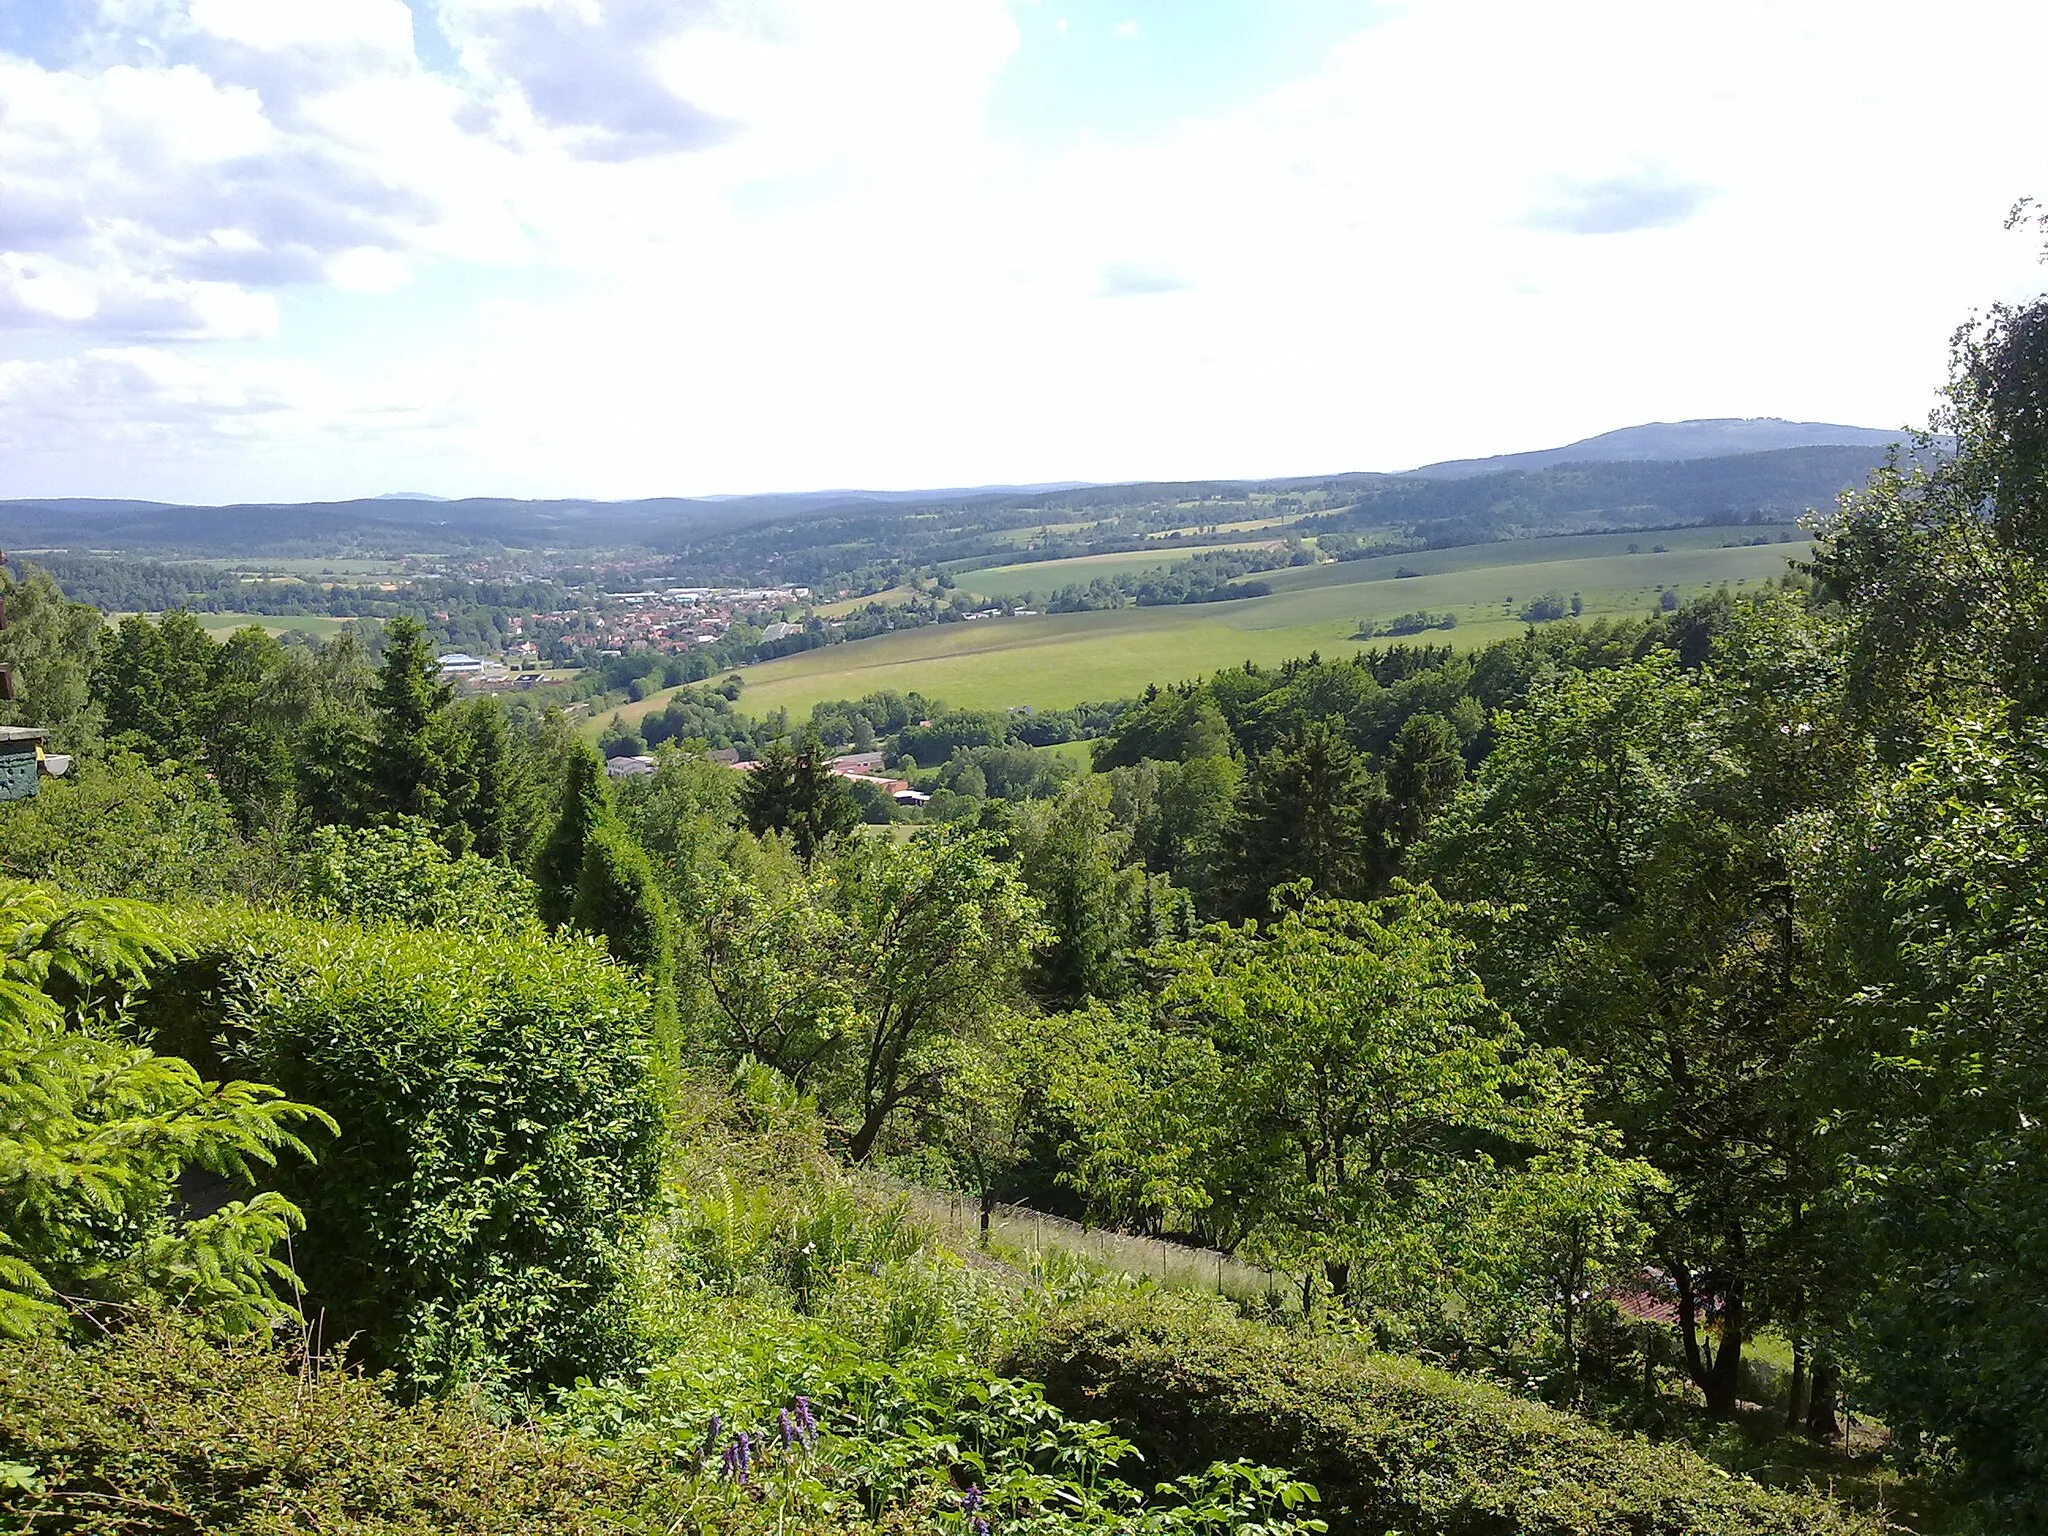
(1394, 1446)
(155, 1429)
(402, 874)
(619, 900)
(475, 1217)
(100, 1140)
(117, 826)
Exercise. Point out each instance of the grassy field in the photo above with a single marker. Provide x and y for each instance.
(338, 568)
(1247, 526)
(1075, 752)
(1047, 576)
(845, 605)
(1054, 660)
(221, 625)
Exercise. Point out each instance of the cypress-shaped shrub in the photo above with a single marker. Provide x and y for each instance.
(619, 900)
(586, 806)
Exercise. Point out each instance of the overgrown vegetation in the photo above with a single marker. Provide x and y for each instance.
(1567, 1026)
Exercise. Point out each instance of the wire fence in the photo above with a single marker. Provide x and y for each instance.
(1173, 1265)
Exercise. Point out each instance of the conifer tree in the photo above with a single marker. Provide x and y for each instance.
(586, 806)
(1424, 771)
(794, 790)
(618, 898)
(482, 792)
(1306, 812)
(408, 774)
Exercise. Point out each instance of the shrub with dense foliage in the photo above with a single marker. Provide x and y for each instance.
(402, 874)
(1392, 1444)
(155, 1429)
(475, 1215)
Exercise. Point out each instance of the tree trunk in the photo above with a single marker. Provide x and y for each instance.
(1715, 1373)
(1575, 1273)
(988, 1204)
(1821, 1423)
(864, 1139)
(1796, 1391)
(1725, 1377)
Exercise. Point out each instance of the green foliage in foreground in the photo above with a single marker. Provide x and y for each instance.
(1955, 1336)
(95, 1134)
(474, 1217)
(1392, 1444)
(118, 826)
(154, 1429)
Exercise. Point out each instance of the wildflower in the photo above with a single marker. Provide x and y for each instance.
(732, 1461)
(711, 1439)
(746, 1444)
(972, 1499)
(980, 1527)
(806, 1423)
(788, 1430)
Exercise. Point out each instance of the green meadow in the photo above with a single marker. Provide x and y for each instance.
(1044, 577)
(1052, 660)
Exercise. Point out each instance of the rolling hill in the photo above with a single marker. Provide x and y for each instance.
(1705, 438)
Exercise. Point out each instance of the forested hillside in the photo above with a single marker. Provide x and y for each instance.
(828, 541)
(1622, 1045)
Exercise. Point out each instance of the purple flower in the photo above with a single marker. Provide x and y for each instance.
(788, 1430)
(805, 1422)
(980, 1527)
(711, 1439)
(972, 1499)
(732, 1461)
(746, 1444)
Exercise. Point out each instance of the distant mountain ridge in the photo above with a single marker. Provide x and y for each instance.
(1710, 437)
(1658, 475)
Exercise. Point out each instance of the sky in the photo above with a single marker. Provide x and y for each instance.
(308, 249)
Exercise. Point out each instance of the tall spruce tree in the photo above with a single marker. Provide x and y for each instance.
(794, 790)
(409, 772)
(618, 898)
(1424, 770)
(1306, 812)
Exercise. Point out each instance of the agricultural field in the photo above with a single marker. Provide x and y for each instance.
(1249, 525)
(318, 625)
(1054, 660)
(1045, 577)
(841, 607)
(331, 567)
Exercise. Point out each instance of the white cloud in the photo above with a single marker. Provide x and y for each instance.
(384, 26)
(1126, 29)
(44, 292)
(755, 243)
(366, 269)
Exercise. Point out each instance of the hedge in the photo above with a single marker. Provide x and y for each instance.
(154, 1429)
(476, 1216)
(1394, 1446)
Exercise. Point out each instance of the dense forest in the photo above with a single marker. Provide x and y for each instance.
(1621, 1048)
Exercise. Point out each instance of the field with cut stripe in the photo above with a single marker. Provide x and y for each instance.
(1045, 577)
